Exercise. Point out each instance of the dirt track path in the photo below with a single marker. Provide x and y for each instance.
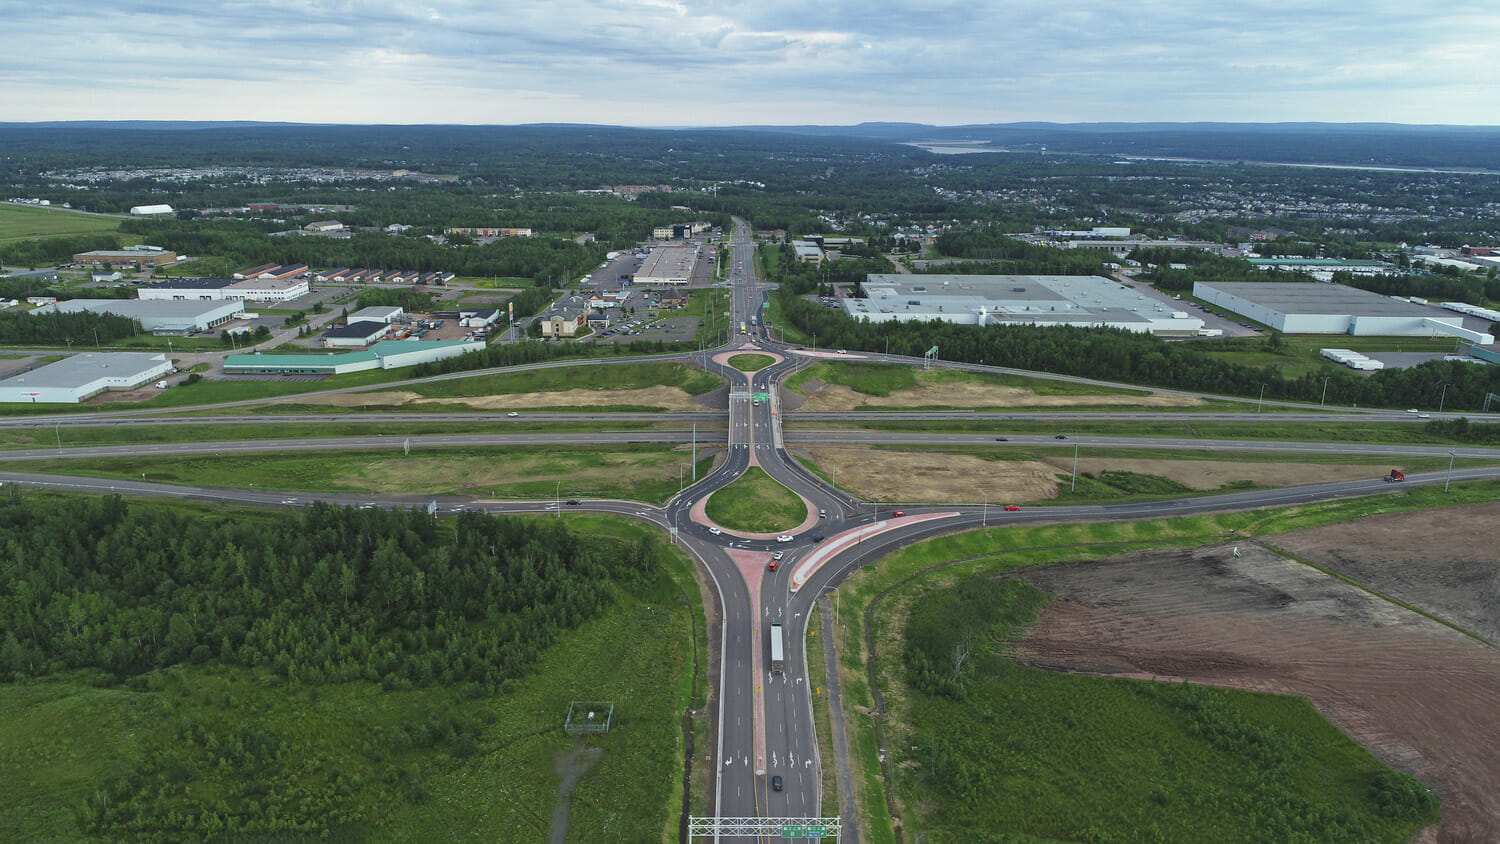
(570, 765)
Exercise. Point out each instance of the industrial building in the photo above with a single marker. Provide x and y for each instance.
(214, 289)
(1324, 268)
(157, 317)
(1082, 301)
(1317, 308)
(669, 266)
(130, 256)
(75, 378)
(389, 354)
(377, 313)
(356, 333)
(151, 210)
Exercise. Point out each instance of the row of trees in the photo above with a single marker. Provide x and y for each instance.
(54, 329)
(327, 594)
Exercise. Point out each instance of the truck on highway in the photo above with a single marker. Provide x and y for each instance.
(778, 658)
(1396, 476)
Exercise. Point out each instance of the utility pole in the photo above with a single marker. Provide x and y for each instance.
(1451, 454)
(557, 495)
(695, 452)
(1261, 399)
(1074, 485)
(1325, 391)
(1444, 397)
(984, 517)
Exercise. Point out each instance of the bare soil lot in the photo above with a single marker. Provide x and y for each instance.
(1213, 474)
(1417, 694)
(884, 475)
(667, 398)
(820, 396)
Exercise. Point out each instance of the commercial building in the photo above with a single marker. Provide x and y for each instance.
(388, 354)
(1082, 301)
(668, 267)
(151, 210)
(1324, 268)
(808, 252)
(324, 226)
(214, 289)
(481, 231)
(680, 231)
(157, 317)
(565, 317)
(377, 313)
(478, 319)
(1316, 308)
(130, 256)
(361, 333)
(75, 378)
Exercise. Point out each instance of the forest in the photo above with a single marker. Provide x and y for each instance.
(325, 595)
(86, 329)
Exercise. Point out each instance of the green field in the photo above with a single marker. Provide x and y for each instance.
(23, 222)
(881, 379)
(756, 503)
(1412, 433)
(582, 377)
(395, 764)
(1023, 752)
(637, 472)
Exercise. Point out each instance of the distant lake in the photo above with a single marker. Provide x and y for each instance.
(953, 147)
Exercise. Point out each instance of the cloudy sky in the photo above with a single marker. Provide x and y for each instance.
(725, 62)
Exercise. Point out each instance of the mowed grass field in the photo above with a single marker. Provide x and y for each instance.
(23, 222)
(68, 738)
(756, 503)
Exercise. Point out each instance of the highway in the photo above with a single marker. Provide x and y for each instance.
(763, 722)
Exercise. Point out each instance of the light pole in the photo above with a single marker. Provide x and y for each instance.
(57, 429)
(1443, 398)
(1261, 399)
(984, 517)
(1451, 454)
(557, 497)
(1074, 485)
(679, 477)
(1325, 391)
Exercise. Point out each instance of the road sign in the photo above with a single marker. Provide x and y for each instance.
(762, 396)
(798, 831)
(765, 306)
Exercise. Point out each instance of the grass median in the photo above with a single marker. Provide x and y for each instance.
(756, 503)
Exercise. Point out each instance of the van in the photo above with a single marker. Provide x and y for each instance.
(822, 514)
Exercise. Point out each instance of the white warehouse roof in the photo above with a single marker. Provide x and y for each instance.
(75, 378)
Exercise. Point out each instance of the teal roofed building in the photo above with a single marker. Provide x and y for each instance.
(389, 354)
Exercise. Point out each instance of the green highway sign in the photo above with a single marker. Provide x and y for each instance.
(792, 831)
(762, 396)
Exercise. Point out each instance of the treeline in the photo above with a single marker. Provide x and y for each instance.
(24, 287)
(1439, 287)
(994, 245)
(1205, 267)
(550, 260)
(515, 354)
(411, 301)
(1118, 355)
(55, 329)
(329, 594)
(1463, 430)
(51, 251)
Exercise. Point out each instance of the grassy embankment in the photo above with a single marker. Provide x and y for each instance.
(637, 472)
(882, 379)
(756, 503)
(941, 562)
(481, 765)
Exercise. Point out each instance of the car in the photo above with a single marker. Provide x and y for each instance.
(513, 414)
(1012, 508)
(1002, 439)
(822, 514)
(818, 538)
(776, 783)
(898, 514)
(771, 566)
(573, 502)
(1060, 437)
(715, 531)
(785, 537)
(1424, 415)
(778, 555)
(1411, 410)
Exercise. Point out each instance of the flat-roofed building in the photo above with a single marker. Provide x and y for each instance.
(1316, 308)
(212, 289)
(77, 377)
(361, 333)
(255, 272)
(377, 313)
(1082, 301)
(126, 258)
(157, 317)
(668, 267)
(387, 354)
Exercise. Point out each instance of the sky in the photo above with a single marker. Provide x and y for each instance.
(717, 62)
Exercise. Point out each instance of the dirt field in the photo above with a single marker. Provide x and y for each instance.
(924, 476)
(1213, 474)
(1417, 694)
(667, 398)
(820, 396)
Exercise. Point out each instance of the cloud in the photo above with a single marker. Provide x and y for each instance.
(694, 62)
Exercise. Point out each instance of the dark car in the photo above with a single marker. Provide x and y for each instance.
(775, 783)
(1002, 439)
(818, 538)
(573, 502)
(1060, 437)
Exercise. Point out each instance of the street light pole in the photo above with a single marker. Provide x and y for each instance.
(1444, 398)
(1074, 485)
(557, 497)
(1451, 454)
(1261, 399)
(57, 429)
(984, 517)
(1325, 391)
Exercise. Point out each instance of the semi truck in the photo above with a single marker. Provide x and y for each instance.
(778, 658)
(1396, 476)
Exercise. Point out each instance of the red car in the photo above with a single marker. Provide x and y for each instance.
(898, 513)
(1011, 507)
(772, 565)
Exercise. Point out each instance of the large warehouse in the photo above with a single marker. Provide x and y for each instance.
(130, 256)
(1318, 308)
(75, 378)
(668, 266)
(390, 354)
(156, 317)
(1084, 301)
(253, 289)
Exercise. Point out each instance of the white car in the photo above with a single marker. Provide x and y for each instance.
(1411, 410)
(785, 537)
(1424, 415)
(778, 555)
(513, 413)
(715, 531)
